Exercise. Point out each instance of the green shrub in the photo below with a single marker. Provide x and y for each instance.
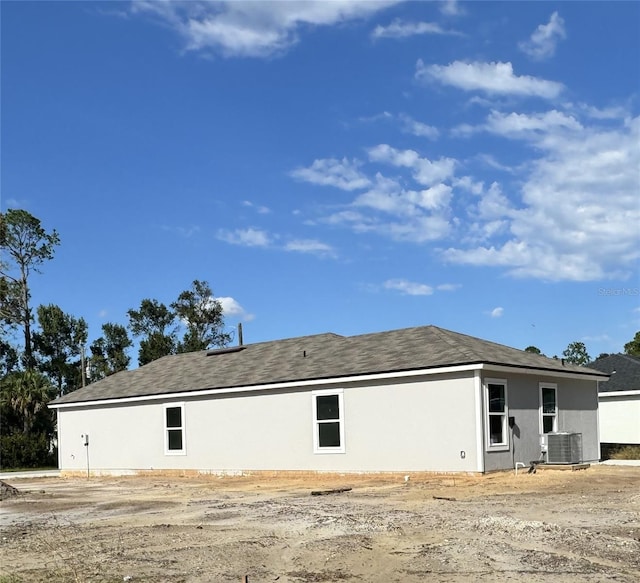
(626, 452)
(20, 450)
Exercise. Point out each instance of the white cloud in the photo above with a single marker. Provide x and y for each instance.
(260, 209)
(497, 312)
(493, 204)
(386, 207)
(574, 214)
(491, 162)
(388, 196)
(543, 41)
(569, 213)
(448, 286)
(388, 154)
(123, 14)
(480, 232)
(401, 214)
(416, 229)
(418, 128)
(408, 125)
(425, 172)
(402, 29)
(185, 232)
(522, 123)
(252, 29)
(310, 246)
(409, 288)
(469, 184)
(246, 237)
(385, 115)
(464, 130)
(355, 218)
(232, 309)
(612, 112)
(436, 197)
(451, 8)
(492, 78)
(258, 238)
(413, 229)
(343, 174)
(535, 260)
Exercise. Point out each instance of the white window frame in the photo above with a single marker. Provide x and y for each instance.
(542, 414)
(317, 423)
(168, 451)
(505, 445)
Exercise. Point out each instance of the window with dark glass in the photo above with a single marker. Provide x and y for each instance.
(328, 421)
(328, 417)
(548, 409)
(174, 429)
(497, 413)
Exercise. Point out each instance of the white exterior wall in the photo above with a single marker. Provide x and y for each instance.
(418, 425)
(119, 437)
(619, 417)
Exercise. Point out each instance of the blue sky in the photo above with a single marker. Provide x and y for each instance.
(335, 166)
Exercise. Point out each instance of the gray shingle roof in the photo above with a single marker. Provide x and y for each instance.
(312, 357)
(626, 376)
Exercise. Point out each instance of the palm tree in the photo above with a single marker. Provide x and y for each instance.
(26, 393)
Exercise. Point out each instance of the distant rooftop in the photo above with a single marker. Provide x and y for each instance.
(624, 370)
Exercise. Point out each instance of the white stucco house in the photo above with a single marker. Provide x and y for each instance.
(421, 399)
(619, 399)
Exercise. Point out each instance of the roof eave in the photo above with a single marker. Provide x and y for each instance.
(436, 369)
(548, 371)
(289, 384)
(631, 393)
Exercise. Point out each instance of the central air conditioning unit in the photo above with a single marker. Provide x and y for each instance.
(564, 448)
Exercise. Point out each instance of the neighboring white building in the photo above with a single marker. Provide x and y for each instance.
(619, 399)
(414, 400)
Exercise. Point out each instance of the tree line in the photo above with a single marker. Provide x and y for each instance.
(43, 349)
(576, 352)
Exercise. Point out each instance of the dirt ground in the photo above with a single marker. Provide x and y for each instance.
(552, 526)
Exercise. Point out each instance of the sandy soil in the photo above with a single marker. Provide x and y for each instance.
(552, 526)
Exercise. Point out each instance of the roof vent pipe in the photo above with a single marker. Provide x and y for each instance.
(240, 341)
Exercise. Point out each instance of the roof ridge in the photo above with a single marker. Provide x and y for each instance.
(484, 341)
(297, 338)
(380, 332)
(445, 335)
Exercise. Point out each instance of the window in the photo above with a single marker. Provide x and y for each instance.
(548, 408)
(497, 413)
(174, 442)
(328, 422)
